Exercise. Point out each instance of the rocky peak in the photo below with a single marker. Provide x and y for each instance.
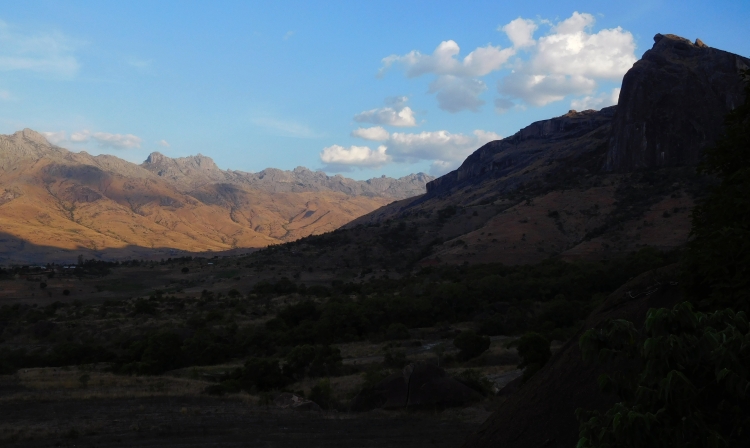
(31, 136)
(672, 104)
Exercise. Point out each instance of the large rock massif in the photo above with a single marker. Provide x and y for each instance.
(587, 184)
(672, 104)
(56, 204)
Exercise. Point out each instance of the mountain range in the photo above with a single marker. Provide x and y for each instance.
(55, 203)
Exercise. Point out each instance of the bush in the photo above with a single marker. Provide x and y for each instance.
(692, 388)
(263, 374)
(322, 394)
(396, 332)
(533, 348)
(471, 344)
(475, 380)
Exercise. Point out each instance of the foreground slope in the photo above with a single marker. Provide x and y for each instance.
(56, 204)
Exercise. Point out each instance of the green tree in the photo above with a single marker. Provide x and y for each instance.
(717, 263)
(471, 344)
(693, 390)
(533, 348)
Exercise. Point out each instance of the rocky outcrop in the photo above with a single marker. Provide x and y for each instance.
(557, 138)
(672, 104)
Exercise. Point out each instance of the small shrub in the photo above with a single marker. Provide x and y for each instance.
(397, 332)
(322, 394)
(471, 344)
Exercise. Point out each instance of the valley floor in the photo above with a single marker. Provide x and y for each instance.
(39, 411)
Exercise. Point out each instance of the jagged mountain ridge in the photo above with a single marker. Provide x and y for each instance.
(54, 202)
(191, 172)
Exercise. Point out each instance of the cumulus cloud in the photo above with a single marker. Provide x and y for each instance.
(443, 61)
(539, 90)
(336, 156)
(164, 143)
(48, 53)
(436, 145)
(55, 137)
(80, 136)
(444, 149)
(520, 32)
(103, 139)
(456, 86)
(570, 60)
(375, 133)
(455, 94)
(397, 114)
(596, 102)
(117, 141)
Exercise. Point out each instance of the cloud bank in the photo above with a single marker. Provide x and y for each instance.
(102, 139)
(445, 150)
(568, 60)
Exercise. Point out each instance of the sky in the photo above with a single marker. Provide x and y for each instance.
(351, 87)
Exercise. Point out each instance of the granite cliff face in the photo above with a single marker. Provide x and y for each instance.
(672, 104)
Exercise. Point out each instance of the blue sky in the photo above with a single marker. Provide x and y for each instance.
(360, 88)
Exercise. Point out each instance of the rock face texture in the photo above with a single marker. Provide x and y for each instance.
(558, 138)
(672, 104)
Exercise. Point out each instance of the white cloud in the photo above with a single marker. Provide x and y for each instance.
(55, 137)
(443, 61)
(360, 156)
(520, 32)
(103, 139)
(116, 141)
(164, 143)
(400, 117)
(455, 94)
(456, 86)
(49, 53)
(288, 35)
(436, 145)
(375, 133)
(539, 90)
(80, 136)
(596, 102)
(570, 60)
(444, 149)
(4, 95)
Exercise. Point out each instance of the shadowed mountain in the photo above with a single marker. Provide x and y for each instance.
(51, 197)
